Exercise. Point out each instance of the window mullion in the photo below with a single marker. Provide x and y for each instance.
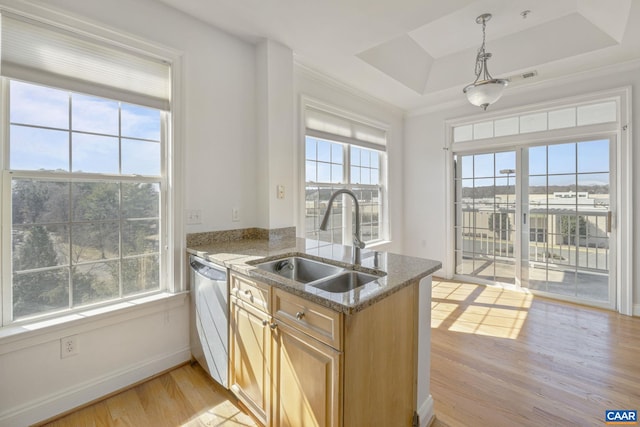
(70, 193)
(120, 218)
(346, 201)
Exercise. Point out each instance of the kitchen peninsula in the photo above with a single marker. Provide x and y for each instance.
(304, 355)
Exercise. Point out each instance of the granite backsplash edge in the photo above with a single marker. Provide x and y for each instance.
(254, 233)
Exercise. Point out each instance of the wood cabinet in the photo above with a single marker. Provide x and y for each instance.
(249, 347)
(300, 363)
(306, 361)
(305, 382)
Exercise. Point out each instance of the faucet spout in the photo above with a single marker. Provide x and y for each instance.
(358, 244)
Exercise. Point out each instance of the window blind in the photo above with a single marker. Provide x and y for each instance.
(53, 56)
(322, 124)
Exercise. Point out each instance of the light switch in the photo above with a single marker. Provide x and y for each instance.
(280, 191)
(194, 216)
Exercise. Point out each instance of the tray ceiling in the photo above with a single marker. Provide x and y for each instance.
(416, 53)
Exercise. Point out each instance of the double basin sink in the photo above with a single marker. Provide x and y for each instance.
(321, 275)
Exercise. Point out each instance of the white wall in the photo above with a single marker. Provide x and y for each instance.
(321, 88)
(219, 148)
(275, 134)
(219, 110)
(114, 351)
(424, 171)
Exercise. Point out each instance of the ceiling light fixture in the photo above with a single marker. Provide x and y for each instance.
(485, 90)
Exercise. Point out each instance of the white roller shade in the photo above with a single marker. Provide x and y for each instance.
(322, 124)
(41, 53)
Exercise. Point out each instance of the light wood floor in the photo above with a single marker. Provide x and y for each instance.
(504, 358)
(499, 358)
(182, 397)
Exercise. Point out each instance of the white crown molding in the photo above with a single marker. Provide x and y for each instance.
(449, 102)
(321, 77)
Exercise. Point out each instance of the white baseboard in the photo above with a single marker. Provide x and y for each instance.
(636, 310)
(425, 412)
(80, 394)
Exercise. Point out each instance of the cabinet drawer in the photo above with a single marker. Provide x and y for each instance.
(313, 319)
(251, 292)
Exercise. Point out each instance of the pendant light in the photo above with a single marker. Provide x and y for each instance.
(485, 90)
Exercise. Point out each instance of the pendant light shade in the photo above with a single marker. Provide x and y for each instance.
(485, 90)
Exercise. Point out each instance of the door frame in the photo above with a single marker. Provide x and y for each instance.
(621, 131)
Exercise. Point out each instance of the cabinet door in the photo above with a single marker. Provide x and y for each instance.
(250, 346)
(306, 381)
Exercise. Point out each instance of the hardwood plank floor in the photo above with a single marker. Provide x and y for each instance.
(505, 358)
(184, 396)
(499, 358)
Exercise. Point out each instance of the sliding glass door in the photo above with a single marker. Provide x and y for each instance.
(539, 217)
(486, 225)
(569, 199)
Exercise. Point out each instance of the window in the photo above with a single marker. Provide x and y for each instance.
(340, 153)
(573, 183)
(589, 113)
(85, 183)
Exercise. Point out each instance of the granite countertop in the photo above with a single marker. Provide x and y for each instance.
(241, 255)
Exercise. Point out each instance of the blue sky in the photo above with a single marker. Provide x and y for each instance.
(588, 159)
(325, 163)
(37, 148)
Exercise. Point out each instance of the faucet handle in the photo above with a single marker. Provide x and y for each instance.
(357, 242)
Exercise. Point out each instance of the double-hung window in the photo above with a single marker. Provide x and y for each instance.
(84, 196)
(344, 153)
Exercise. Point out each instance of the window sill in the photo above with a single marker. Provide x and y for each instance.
(378, 244)
(16, 337)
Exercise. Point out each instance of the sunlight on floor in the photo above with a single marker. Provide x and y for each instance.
(477, 309)
(223, 414)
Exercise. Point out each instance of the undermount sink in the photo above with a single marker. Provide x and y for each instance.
(345, 282)
(300, 269)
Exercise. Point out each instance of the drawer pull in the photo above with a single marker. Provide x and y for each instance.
(273, 326)
(247, 292)
(300, 315)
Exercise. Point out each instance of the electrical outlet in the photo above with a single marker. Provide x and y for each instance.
(68, 346)
(235, 214)
(280, 192)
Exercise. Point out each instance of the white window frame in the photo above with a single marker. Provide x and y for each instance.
(173, 268)
(308, 102)
(623, 212)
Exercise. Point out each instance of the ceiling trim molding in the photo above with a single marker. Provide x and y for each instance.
(312, 73)
(534, 86)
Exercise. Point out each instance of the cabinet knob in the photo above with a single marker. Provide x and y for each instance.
(300, 315)
(247, 292)
(265, 322)
(273, 326)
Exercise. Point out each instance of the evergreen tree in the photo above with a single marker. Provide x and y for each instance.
(38, 291)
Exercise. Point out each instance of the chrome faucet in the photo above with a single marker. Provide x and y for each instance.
(357, 241)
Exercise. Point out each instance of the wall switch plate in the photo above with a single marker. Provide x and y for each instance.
(235, 214)
(280, 192)
(68, 346)
(194, 216)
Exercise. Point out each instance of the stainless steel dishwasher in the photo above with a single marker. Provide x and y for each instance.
(210, 318)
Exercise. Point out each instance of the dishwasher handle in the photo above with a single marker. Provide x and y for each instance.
(207, 269)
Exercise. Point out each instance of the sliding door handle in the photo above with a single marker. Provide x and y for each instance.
(609, 218)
